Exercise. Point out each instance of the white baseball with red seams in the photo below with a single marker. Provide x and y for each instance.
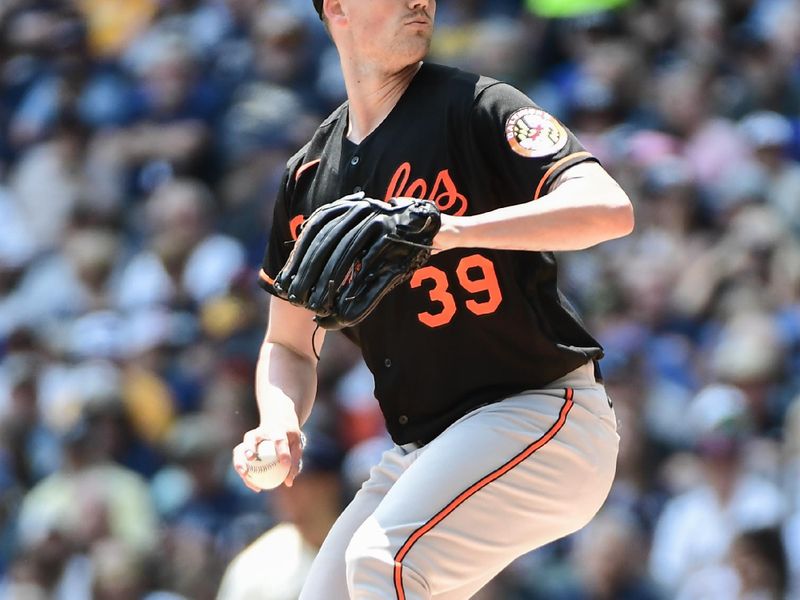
(266, 471)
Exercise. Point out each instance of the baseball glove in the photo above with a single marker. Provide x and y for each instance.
(353, 252)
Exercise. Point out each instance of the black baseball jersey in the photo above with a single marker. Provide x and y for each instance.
(472, 326)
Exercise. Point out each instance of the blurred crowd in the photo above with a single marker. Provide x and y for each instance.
(141, 146)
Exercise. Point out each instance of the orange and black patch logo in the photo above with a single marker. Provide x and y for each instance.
(533, 133)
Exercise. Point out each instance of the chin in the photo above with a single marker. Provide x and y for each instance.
(415, 50)
(403, 52)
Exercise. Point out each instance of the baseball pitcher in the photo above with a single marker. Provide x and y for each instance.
(421, 220)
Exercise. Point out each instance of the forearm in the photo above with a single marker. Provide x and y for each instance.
(579, 214)
(286, 383)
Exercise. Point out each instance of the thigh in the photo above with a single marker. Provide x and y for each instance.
(326, 578)
(506, 479)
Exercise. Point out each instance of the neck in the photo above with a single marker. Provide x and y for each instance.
(372, 94)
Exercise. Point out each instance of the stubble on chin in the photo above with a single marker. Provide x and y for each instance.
(414, 48)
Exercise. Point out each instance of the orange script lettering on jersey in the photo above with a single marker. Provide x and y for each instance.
(294, 226)
(443, 193)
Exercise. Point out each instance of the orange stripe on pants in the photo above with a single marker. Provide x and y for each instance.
(474, 488)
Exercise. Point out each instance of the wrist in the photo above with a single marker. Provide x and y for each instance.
(283, 421)
(278, 409)
(452, 233)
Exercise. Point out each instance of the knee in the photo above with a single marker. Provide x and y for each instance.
(368, 558)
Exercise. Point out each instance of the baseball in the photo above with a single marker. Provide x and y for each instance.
(266, 472)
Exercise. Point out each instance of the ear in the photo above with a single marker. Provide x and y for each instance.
(334, 11)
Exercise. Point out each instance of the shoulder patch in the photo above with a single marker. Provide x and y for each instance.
(533, 133)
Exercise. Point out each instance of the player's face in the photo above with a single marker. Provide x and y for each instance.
(395, 33)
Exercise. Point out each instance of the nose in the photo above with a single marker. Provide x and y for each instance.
(419, 4)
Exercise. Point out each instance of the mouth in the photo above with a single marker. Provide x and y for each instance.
(418, 23)
(419, 20)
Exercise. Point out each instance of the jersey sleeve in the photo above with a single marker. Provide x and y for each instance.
(526, 147)
(280, 239)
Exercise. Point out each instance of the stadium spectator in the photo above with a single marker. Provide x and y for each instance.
(697, 527)
(282, 556)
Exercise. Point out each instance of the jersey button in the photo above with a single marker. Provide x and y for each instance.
(388, 363)
(354, 161)
(403, 420)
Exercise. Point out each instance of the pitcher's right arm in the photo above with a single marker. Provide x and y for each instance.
(285, 386)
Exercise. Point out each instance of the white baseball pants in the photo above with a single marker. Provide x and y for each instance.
(441, 520)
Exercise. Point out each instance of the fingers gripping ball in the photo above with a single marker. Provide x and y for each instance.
(353, 252)
(266, 471)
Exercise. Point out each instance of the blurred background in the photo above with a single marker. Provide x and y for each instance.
(141, 146)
